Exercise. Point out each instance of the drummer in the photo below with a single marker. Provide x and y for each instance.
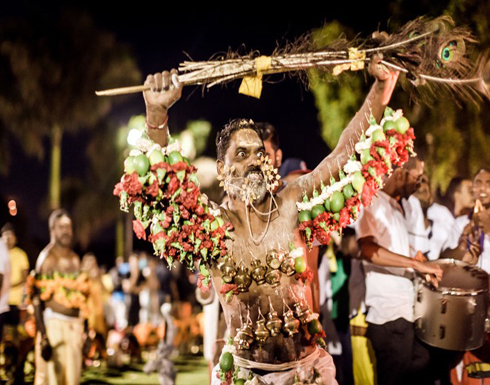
(384, 242)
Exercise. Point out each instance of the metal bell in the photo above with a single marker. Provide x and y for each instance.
(274, 323)
(303, 312)
(261, 332)
(273, 259)
(258, 272)
(273, 277)
(244, 336)
(287, 265)
(291, 324)
(242, 279)
(228, 270)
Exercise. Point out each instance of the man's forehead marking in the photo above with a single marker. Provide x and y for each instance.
(247, 133)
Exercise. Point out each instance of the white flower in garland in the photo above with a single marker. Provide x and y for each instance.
(296, 253)
(229, 349)
(352, 166)
(135, 152)
(144, 145)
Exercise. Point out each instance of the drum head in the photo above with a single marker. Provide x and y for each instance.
(461, 277)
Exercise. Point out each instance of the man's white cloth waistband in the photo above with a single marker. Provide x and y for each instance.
(285, 373)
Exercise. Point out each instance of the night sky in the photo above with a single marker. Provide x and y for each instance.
(158, 36)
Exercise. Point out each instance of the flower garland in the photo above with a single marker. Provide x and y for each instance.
(335, 206)
(163, 189)
(69, 290)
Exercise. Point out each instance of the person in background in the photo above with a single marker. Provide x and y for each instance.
(429, 223)
(134, 287)
(19, 269)
(383, 239)
(271, 143)
(459, 198)
(59, 323)
(333, 273)
(4, 285)
(470, 242)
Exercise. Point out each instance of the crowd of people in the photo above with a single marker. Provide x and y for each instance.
(125, 310)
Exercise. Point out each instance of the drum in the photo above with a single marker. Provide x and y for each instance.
(453, 316)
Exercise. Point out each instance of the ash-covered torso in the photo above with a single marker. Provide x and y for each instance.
(287, 341)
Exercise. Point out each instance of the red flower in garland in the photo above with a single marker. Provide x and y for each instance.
(139, 230)
(369, 189)
(350, 203)
(305, 276)
(118, 188)
(229, 287)
(204, 287)
(152, 190)
(131, 184)
(344, 218)
(322, 236)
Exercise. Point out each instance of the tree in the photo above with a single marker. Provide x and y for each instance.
(454, 139)
(49, 70)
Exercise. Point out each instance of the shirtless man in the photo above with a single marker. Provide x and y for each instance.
(60, 329)
(269, 221)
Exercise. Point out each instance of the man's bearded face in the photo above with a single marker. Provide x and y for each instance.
(62, 231)
(241, 166)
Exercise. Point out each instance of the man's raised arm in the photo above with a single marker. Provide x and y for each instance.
(165, 90)
(375, 103)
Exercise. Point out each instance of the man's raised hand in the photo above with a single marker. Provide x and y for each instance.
(165, 90)
(384, 76)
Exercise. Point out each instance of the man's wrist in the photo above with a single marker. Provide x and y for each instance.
(156, 115)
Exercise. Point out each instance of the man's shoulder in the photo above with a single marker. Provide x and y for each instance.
(45, 257)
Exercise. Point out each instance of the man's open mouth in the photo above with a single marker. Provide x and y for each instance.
(255, 175)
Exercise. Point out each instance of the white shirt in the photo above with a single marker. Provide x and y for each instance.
(442, 225)
(430, 240)
(5, 271)
(389, 294)
(418, 234)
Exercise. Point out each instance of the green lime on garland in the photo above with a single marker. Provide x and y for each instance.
(314, 327)
(226, 361)
(174, 157)
(317, 210)
(402, 125)
(304, 215)
(299, 265)
(128, 165)
(348, 191)
(358, 181)
(337, 201)
(141, 164)
(389, 125)
(156, 157)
